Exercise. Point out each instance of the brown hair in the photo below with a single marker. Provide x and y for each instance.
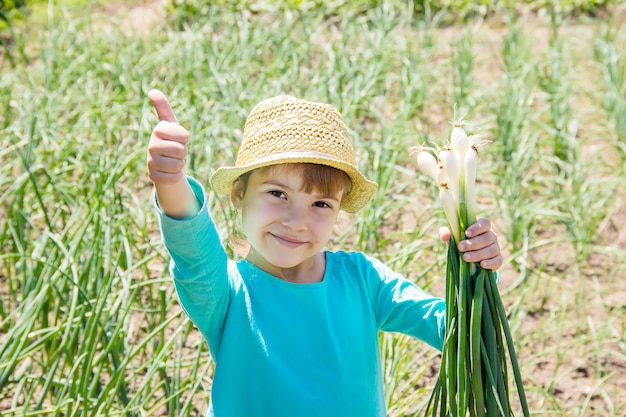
(321, 178)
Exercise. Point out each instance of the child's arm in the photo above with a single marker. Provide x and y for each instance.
(199, 266)
(198, 260)
(404, 307)
(166, 152)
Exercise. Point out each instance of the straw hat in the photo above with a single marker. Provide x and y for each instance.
(286, 129)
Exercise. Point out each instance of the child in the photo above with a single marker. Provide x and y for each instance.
(292, 328)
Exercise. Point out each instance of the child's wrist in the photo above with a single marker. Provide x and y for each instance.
(177, 200)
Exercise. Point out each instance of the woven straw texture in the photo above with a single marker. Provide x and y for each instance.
(286, 129)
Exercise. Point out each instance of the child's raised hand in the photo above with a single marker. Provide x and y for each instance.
(168, 144)
(166, 159)
(481, 245)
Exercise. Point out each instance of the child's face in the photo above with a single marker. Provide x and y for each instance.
(285, 225)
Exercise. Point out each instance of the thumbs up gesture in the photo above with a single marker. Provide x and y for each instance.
(167, 150)
(168, 144)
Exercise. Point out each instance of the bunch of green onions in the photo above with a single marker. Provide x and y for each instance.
(473, 377)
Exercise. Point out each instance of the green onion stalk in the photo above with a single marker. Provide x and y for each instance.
(473, 377)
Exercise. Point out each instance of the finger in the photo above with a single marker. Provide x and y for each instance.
(482, 225)
(165, 178)
(480, 241)
(484, 254)
(162, 106)
(171, 132)
(444, 233)
(493, 263)
(168, 149)
(166, 165)
(165, 170)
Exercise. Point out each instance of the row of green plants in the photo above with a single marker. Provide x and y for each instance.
(459, 6)
(189, 10)
(181, 13)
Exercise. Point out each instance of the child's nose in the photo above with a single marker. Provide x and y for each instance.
(295, 219)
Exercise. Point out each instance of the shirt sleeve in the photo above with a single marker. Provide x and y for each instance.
(198, 264)
(401, 306)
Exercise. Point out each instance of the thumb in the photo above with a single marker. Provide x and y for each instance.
(162, 106)
(444, 233)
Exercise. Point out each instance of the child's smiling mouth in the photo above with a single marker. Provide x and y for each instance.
(288, 241)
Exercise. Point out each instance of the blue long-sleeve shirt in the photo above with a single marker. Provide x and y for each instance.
(285, 349)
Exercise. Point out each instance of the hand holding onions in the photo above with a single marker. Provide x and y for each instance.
(473, 378)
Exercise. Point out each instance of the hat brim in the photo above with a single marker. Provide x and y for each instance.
(361, 193)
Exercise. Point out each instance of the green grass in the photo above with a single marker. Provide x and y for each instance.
(89, 322)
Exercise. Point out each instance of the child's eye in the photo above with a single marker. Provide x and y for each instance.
(277, 193)
(322, 204)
